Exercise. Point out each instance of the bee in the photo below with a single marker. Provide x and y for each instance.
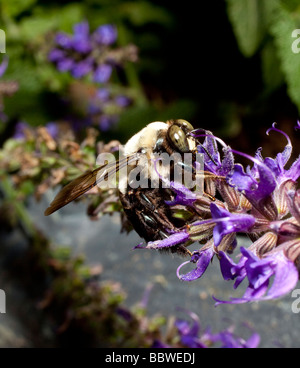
(145, 206)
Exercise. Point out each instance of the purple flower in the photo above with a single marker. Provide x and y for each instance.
(52, 129)
(202, 258)
(227, 222)
(20, 128)
(173, 240)
(102, 73)
(257, 190)
(192, 336)
(83, 53)
(81, 38)
(64, 40)
(106, 122)
(182, 194)
(65, 64)
(103, 94)
(82, 68)
(56, 55)
(106, 34)
(212, 158)
(190, 332)
(259, 272)
(122, 101)
(230, 341)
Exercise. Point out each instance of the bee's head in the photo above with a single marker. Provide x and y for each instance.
(178, 135)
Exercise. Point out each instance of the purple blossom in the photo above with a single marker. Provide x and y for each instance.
(258, 272)
(183, 195)
(82, 68)
(56, 55)
(102, 73)
(20, 128)
(171, 241)
(212, 158)
(230, 341)
(227, 222)
(106, 34)
(190, 332)
(65, 64)
(262, 201)
(106, 122)
(89, 55)
(85, 53)
(191, 335)
(81, 38)
(122, 101)
(103, 94)
(257, 191)
(64, 40)
(52, 128)
(202, 258)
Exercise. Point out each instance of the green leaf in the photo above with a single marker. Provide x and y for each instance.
(44, 20)
(249, 19)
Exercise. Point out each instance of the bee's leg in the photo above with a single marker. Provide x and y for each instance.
(150, 216)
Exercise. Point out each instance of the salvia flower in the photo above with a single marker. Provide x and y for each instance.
(192, 335)
(89, 53)
(261, 201)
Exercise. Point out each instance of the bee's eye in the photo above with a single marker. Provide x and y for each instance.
(185, 125)
(178, 138)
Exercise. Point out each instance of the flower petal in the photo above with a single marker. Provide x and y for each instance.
(202, 259)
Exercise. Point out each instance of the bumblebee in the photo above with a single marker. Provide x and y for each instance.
(145, 206)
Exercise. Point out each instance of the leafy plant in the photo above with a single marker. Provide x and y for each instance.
(265, 27)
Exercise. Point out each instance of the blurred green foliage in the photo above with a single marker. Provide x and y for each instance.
(265, 27)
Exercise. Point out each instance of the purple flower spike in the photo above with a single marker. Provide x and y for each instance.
(227, 222)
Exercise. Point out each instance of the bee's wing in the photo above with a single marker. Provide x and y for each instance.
(87, 181)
